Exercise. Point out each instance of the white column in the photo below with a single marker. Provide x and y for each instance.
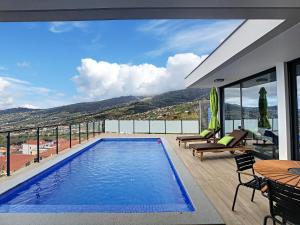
(284, 132)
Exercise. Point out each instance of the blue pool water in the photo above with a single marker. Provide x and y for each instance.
(112, 175)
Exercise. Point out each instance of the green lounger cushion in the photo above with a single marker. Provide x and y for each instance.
(225, 140)
(205, 133)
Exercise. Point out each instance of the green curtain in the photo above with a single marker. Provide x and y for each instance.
(263, 121)
(213, 100)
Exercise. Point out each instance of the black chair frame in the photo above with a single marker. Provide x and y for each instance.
(284, 202)
(245, 162)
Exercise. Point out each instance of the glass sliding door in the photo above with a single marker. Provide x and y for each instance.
(260, 120)
(242, 108)
(294, 72)
(297, 73)
(232, 108)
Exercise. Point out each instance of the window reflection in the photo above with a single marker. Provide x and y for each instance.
(242, 108)
(298, 102)
(232, 108)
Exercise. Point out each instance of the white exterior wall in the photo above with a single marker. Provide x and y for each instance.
(284, 132)
(28, 148)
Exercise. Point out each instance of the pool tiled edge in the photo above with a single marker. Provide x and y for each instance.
(204, 214)
(26, 173)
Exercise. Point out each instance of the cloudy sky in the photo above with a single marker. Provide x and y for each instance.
(50, 64)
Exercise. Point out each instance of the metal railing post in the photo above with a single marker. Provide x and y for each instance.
(165, 126)
(149, 127)
(38, 144)
(70, 136)
(181, 127)
(133, 126)
(199, 126)
(56, 130)
(119, 126)
(8, 154)
(79, 133)
(103, 126)
(94, 129)
(87, 130)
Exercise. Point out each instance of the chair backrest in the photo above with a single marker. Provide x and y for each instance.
(217, 130)
(213, 133)
(239, 135)
(244, 161)
(272, 135)
(210, 134)
(287, 199)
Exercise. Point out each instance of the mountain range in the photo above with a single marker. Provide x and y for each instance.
(114, 108)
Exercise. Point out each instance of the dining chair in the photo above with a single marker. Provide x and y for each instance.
(284, 201)
(245, 163)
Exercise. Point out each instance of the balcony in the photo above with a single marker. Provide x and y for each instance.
(216, 176)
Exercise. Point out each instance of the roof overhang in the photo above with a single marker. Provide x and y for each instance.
(255, 46)
(42, 10)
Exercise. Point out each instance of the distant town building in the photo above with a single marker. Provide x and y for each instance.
(30, 147)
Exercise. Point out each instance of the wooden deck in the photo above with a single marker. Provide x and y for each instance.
(217, 177)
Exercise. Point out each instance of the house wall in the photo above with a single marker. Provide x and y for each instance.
(276, 52)
(28, 148)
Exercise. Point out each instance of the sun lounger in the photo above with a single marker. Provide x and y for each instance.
(234, 145)
(185, 139)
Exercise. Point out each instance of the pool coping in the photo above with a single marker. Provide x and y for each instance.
(204, 212)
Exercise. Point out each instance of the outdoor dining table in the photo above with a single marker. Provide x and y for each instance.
(283, 171)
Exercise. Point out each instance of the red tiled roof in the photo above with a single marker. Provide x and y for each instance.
(17, 161)
(34, 142)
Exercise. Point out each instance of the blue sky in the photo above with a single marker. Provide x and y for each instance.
(47, 64)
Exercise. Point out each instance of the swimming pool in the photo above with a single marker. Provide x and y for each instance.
(117, 175)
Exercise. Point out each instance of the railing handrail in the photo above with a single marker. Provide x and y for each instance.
(46, 126)
(38, 130)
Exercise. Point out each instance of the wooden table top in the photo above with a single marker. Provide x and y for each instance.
(283, 171)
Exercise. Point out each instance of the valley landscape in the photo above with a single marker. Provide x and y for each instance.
(180, 104)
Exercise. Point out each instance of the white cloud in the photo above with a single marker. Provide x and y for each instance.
(29, 106)
(20, 93)
(184, 35)
(101, 80)
(61, 27)
(23, 64)
(5, 97)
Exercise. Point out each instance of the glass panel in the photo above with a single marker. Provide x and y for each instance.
(173, 127)
(75, 134)
(275, 124)
(237, 124)
(157, 126)
(205, 114)
(98, 127)
(298, 100)
(3, 154)
(228, 126)
(126, 126)
(251, 124)
(47, 142)
(264, 138)
(111, 126)
(232, 108)
(141, 126)
(23, 149)
(190, 126)
(63, 138)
